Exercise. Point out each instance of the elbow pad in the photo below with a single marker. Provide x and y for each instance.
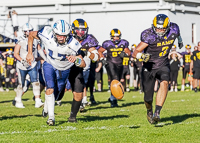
(96, 55)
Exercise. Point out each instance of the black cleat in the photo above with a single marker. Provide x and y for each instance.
(82, 108)
(50, 122)
(150, 116)
(13, 102)
(72, 120)
(44, 114)
(113, 103)
(92, 100)
(156, 118)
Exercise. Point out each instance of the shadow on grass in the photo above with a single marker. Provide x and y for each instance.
(96, 118)
(176, 119)
(6, 101)
(15, 116)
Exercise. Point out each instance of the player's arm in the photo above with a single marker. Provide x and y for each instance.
(191, 66)
(101, 50)
(16, 52)
(41, 52)
(100, 64)
(77, 60)
(179, 55)
(138, 52)
(31, 37)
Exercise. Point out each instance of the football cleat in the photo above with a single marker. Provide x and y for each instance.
(72, 120)
(1, 89)
(150, 116)
(59, 103)
(156, 118)
(7, 90)
(44, 114)
(92, 100)
(113, 103)
(18, 104)
(82, 108)
(127, 89)
(39, 104)
(50, 122)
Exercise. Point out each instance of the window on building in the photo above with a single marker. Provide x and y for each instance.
(193, 33)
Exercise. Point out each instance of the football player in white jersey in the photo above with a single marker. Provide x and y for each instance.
(23, 68)
(62, 52)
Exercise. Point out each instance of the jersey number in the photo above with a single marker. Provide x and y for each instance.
(61, 57)
(10, 61)
(115, 54)
(164, 51)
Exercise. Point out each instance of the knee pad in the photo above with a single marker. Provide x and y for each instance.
(36, 88)
(7, 79)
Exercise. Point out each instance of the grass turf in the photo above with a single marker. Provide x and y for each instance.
(180, 120)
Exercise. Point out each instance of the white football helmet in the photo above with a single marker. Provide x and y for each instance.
(27, 27)
(61, 27)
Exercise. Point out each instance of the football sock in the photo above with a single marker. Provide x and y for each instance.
(128, 81)
(112, 98)
(50, 99)
(84, 100)
(75, 108)
(158, 108)
(45, 106)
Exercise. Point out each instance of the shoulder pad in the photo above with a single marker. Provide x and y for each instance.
(45, 32)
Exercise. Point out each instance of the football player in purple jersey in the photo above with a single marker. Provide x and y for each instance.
(117, 49)
(186, 65)
(156, 43)
(89, 49)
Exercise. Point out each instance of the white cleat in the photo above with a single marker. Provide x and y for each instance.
(127, 89)
(19, 105)
(39, 103)
(51, 122)
(1, 89)
(7, 90)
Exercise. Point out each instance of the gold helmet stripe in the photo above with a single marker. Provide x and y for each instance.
(166, 22)
(155, 21)
(85, 24)
(76, 24)
(112, 33)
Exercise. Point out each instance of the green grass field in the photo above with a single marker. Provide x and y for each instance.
(180, 120)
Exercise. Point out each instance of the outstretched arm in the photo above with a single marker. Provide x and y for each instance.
(31, 37)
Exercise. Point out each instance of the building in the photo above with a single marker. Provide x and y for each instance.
(130, 16)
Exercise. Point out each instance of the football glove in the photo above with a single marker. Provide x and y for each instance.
(122, 54)
(180, 45)
(145, 57)
(25, 63)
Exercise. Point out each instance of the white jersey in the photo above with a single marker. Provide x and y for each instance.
(56, 54)
(23, 42)
(14, 20)
(87, 63)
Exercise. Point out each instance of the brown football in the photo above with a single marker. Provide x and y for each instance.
(117, 89)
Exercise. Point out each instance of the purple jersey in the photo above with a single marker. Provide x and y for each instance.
(113, 50)
(186, 59)
(159, 47)
(88, 42)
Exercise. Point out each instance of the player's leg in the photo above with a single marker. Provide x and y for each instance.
(7, 79)
(17, 102)
(134, 78)
(175, 81)
(127, 79)
(84, 100)
(122, 80)
(91, 82)
(163, 75)
(77, 85)
(195, 76)
(34, 77)
(183, 79)
(50, 78)
(148, 83)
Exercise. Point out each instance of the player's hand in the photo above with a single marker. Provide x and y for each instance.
(145, 57)
(29, 58)
(180, 45)
(71, 59)
(122, 54)
(25, 63)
